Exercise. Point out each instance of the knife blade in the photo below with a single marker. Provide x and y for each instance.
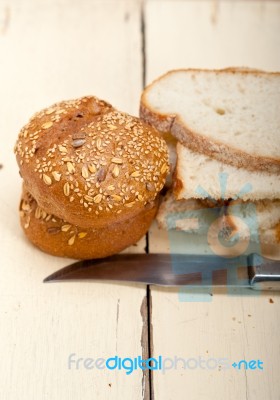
(253, 271)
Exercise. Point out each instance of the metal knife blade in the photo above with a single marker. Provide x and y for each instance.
(251, 271)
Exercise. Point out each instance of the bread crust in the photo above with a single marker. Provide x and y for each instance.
(89, 164)
(59, 238)
(201, 144)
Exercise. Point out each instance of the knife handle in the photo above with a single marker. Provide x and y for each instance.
(264, 274)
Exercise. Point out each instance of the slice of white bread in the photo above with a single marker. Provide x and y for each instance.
(232, 115)
(259, 221)
(199, 176)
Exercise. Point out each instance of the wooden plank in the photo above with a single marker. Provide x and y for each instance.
(212, 34)
(49, 51)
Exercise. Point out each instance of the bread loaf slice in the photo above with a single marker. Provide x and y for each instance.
(202, 177)
(258, 221)
(232, 115)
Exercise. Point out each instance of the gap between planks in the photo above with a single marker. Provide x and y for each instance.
(146, 307)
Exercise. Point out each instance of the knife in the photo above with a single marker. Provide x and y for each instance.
(253, 271)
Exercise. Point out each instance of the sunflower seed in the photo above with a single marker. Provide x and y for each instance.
(78, 142)
(53, 230)
(101, 175)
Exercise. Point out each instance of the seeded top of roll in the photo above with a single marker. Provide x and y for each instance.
(83, 160)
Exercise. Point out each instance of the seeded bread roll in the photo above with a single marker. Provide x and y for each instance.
(89, 164)
(59, 238)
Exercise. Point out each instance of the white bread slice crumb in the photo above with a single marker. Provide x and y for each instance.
(232, 115)
(261, 217)
(199, 176)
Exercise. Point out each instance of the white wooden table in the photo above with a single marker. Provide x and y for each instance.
(59, 49)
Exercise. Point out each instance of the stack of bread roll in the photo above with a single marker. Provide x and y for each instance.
(223, 131)
(91, 178)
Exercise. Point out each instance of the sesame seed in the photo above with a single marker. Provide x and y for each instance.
(50, 111)
(70, 167)
(71, 240)
(47, 179)
(44, 214)
(99, 144)
(26, 225)
(115, 171)
(38, 213)
(88, 198)
(117, 160)
(150, 186)
(97, 199)
(62, 149)
(164, 168)
(81, 235)
(85, 173)
(116, 197)
(47, 125)
(131, 204)
(92, 168)
(56, 175)
(135, 174)
(66, 189)
(25, 206)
